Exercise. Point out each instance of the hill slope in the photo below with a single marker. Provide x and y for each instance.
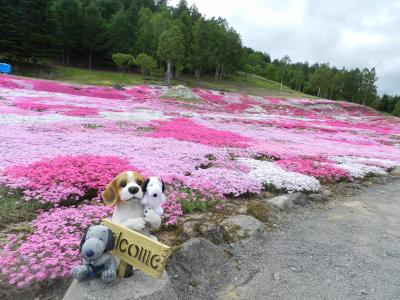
(63, 143)
(249, 84)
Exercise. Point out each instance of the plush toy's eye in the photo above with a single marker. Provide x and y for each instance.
(101, 239)
(122, 184)
(139, 182)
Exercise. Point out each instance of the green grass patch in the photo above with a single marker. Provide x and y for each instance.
(13, 208)
(195, 201)
(85, 76)
(249, 84)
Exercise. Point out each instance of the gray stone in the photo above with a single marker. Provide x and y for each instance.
(201, 228)
(281, 202)
(188, 230)
(288, 200)
(241, 226)
(395, 171)
(318, 197)
(139, 286)
(299, 199)
(327, 193)
(198, 263)
(213, 232)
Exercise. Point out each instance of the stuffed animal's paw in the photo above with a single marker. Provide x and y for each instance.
(152, 218)
(80, 272)
(137, 224)
(108, 276)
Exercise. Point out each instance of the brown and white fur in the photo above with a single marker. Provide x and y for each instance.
(124, 193)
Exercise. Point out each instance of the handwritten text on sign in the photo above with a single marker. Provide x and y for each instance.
(138, 250)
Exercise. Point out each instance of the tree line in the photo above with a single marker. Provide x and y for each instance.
(155, 37)
(323, 80)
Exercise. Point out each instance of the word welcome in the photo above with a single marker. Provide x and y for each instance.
(138, 250)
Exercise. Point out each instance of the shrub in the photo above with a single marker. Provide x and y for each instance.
(146, 63)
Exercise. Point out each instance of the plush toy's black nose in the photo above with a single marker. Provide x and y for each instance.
(154, 195)
(89, 253)
(133, 189)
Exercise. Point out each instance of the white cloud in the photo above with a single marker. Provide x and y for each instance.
(345, 33)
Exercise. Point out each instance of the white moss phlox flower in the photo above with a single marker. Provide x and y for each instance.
(268, 173)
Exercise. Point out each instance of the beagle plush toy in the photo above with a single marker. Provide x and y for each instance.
(95, 245)
(154, 195)
(124, 193)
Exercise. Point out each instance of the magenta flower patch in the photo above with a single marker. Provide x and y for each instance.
(324, 170)
(65, 177)
(187, 130)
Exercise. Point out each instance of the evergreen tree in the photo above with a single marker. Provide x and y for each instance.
(396, 110)
(383, 103)
(68, 19)
(94, 30)
(120, 33)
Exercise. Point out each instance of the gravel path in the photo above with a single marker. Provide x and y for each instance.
(346, 249)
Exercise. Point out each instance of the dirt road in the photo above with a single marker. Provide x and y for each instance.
(349, 249)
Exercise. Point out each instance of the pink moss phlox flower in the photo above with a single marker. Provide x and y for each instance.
(187, 130)
(52, 250)
(66, 142)
(323, 169)
(65, 177)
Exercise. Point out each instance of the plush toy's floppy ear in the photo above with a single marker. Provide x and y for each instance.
(163, 186)
(144, 187)
(83, 240)
(110, 195)
(110, 242)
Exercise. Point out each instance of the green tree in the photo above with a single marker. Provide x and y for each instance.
(94, 30)
(368, 91)
(171, 49)
(351, 85)
(392, 103)
(396, 110)
(120, 33)
(320, 81)
(282, 72)
(150, 26)
(383, 103)
(26, 28)
(146, 63)
(68, 19)
(123, 61)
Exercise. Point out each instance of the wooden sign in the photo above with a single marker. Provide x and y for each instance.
(138, 250)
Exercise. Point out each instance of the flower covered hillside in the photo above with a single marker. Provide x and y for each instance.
(62, 144)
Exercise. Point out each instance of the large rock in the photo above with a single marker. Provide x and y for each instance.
(241, 226)
(288, 200)
(213, 232)
(198, 263)
(200, 227)
(317, 197)
(139, 286)
(180, 92)
(395, 171)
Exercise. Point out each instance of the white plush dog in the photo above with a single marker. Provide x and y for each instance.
(154, 195)
(124, 193)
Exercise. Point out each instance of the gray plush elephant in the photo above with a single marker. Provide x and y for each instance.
(95, 245)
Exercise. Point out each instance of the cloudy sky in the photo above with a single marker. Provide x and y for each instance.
(349, 33)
